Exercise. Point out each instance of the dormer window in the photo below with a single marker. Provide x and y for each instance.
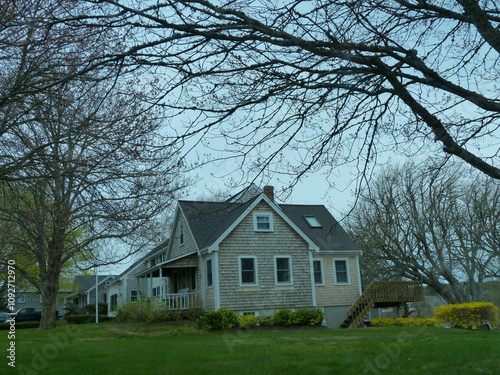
(313, 222)
(263, 222)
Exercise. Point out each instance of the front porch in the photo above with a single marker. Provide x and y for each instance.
(173, 283)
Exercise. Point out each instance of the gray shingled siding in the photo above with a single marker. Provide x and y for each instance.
(282, 241)
(337, 295)
(189, 244)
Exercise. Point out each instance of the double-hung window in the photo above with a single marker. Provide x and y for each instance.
(318, 272)
(263, 222)
(134, 295)
(283, 270)
(209, 273)
(341, 269)
(248, 270)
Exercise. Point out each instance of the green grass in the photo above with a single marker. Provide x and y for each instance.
(111, 348)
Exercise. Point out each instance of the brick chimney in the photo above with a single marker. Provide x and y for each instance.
(269, 192)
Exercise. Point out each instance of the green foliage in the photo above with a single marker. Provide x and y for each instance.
(71, 309)
(222, 319)
(101, 306)
(247, 321)
(308, 316)
(266, 320)
(400, 322)
(472, 315)
(146, 311)
(284, 318)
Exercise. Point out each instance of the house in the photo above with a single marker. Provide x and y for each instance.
(85, 292)
(253, 255)
(126, 286)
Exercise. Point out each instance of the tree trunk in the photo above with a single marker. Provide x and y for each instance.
(50, 287)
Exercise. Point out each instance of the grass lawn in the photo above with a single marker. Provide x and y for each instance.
(112, 348)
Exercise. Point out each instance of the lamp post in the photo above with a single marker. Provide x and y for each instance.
(96, 295)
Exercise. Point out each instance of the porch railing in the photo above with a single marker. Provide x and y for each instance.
(178, 301)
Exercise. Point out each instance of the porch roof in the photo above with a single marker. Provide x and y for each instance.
(184, 261)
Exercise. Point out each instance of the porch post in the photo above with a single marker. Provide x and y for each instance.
(215, 272)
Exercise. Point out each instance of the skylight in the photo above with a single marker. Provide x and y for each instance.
(312, 221)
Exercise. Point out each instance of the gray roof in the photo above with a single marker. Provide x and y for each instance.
(84, 283)
(209, 220)
(155, 250)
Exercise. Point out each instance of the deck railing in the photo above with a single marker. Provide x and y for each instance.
(380, 292)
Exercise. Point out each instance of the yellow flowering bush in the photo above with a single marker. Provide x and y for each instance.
(470, 315)
(415, 322)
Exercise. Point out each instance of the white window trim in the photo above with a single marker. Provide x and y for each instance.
(322, 272)
(255, 270)
(276, 270)
(266, 214)
(335, 271)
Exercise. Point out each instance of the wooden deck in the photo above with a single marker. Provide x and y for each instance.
(383, 294)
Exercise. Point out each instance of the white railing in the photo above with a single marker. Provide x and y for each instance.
(178, 301)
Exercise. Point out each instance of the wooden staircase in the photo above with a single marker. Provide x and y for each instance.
(382, 294)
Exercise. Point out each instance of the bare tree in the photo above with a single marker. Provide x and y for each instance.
(442, 230)
(330, 81)
(87, 169)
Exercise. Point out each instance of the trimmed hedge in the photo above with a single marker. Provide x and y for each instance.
(222, 319)
(226, 319)
(472, 315)
(400, 322)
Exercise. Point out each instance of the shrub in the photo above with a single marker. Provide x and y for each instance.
(308, 316)
(72, 309)
(220, 319)
(416, 322)
(266, 320)
(101, 307)
(247, 321)
(146, 311)
(472, 315)
(284, 318)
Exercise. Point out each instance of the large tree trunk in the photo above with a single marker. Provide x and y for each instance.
(49, 290)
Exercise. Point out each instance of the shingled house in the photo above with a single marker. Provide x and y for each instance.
(255, 256)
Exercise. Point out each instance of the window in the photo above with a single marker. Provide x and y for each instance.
(248, 271)
(133, 295)
(181, 233)
(263, 222)
(318, 272)
(113, 302)
(313, 222)
(283, 270)
(156, 291)
(341, 271)
(209, 273)
(22, 298)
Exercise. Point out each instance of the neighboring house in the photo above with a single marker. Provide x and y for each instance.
(85, 293)
(126, 287)
(255, 256)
